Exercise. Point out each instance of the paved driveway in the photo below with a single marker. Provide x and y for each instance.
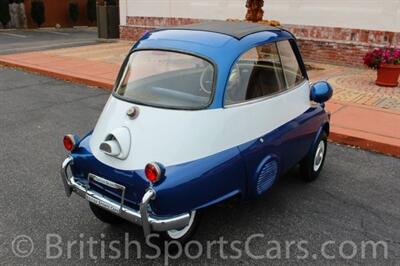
(355, 200)
(16, 41)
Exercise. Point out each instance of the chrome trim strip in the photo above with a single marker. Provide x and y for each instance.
(105, 182)
(282, 66)
(142, 217)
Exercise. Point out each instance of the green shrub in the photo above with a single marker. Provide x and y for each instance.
(4, 13)
(38, 12)
(91, 10)
(74, 11)
(110, 2)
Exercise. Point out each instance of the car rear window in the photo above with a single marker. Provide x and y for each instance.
(167, 79)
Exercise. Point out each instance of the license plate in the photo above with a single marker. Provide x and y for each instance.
(103, 204)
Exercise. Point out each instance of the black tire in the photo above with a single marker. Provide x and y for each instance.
(310, 166)
(105, 216)
(184, 235)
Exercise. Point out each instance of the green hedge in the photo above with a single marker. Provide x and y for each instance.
(91, 10)
(110, 2)
(74, 11)
(4, 13)
(38, 12)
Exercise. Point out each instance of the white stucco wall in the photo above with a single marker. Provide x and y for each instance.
(359, 14)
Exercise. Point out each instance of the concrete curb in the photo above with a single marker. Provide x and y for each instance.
(59, 75)
(44, 29)
(365, 144)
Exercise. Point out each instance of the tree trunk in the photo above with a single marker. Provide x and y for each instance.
(254, 10)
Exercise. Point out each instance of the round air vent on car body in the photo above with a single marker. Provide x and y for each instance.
(267, 176)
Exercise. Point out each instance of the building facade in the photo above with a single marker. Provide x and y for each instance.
(57, 12)
(334, 31)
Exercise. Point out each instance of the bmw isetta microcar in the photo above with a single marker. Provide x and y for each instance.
(199, 114)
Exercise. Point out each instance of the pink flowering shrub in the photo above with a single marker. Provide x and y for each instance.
(379, 56)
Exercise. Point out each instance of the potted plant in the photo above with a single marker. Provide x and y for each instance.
(387, 62)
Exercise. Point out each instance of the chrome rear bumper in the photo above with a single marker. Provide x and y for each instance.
(142, 217)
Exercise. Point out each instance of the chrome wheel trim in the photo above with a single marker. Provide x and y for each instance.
(176, 234)
(319, 156)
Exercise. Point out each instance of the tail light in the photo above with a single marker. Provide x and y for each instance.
(154, 172)
(70, 142)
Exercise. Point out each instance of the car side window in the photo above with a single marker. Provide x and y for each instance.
(258, 73)
(291, 68)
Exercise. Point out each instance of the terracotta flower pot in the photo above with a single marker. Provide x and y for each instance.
(388, 75)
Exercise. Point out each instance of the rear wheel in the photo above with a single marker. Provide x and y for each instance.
(104, 215)
(183, 235)
(312, 164)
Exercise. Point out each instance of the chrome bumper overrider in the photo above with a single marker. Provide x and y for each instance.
(142, 217)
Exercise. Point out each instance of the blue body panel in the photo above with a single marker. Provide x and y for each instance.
(187, 186)
(288, 145)
(206, 181)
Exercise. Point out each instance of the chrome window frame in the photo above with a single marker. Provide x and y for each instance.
(283, 67)
(260, 99)
(276, 94)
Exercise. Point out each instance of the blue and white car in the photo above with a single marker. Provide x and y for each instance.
(199, 114)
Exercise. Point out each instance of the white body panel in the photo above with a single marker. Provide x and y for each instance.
(176, 136)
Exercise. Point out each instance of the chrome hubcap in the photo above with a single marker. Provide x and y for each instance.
(176, 234)
(319, 155)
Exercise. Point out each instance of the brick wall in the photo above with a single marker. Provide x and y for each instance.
(340, 45)
(322, 44)
(136, 26)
